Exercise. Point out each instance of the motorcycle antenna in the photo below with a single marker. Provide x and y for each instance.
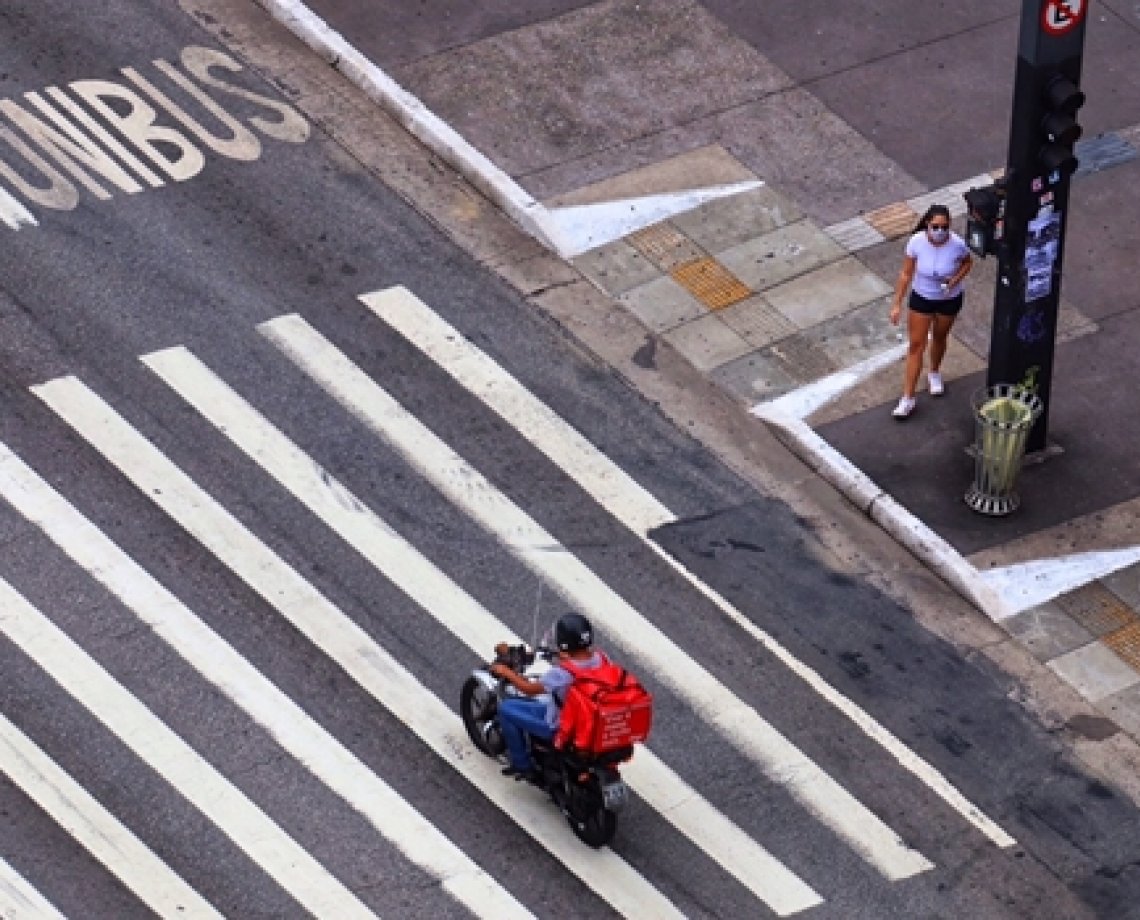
(534, 617)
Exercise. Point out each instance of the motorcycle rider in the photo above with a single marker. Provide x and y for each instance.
(573, 638)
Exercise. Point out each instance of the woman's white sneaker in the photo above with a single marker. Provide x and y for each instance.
(934, 379)
(905, 407)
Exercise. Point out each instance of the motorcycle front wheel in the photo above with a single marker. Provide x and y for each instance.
(479, 708)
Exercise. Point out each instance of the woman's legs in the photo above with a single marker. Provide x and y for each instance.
(918, 331)
(939, 338)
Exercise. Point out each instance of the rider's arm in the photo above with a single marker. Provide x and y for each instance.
(518, 681)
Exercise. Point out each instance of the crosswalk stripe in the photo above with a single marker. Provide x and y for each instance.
(156, 745)
(347, 644)
(596, 473)
(20, 901)
(781, 761)
(96, 829)
(313, 747)
(629, 503)
(723, 841)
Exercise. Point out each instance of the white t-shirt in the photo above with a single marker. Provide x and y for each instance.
(936, 264)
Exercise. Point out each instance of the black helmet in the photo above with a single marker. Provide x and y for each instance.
(573, 632)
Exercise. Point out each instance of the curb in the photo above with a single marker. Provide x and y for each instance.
(421, 122)
(907, 530)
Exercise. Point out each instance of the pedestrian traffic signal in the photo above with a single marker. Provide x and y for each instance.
(1059, 129)
(983, 214)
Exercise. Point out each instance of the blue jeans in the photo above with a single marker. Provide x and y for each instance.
(520, 717)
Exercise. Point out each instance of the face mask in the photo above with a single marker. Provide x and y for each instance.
(939, 235)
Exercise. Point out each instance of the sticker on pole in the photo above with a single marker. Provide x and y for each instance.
(1059, 17)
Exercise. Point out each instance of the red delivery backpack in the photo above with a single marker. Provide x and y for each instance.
(604, 710)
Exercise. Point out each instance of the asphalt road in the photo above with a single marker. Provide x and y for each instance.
(278, 744)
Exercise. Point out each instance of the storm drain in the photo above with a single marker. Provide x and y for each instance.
(1097, 609)
(711, 283)
(1126, 643)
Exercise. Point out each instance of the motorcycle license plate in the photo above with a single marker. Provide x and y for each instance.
(614, 795)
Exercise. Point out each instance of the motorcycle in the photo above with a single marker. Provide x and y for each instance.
(589, 790)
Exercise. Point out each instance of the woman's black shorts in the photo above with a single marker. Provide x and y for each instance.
(920, 304)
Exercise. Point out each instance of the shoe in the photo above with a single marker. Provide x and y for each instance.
(905, 407)
(935, 381)
(521, 773)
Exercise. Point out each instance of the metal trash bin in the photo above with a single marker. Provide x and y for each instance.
(1004, 414)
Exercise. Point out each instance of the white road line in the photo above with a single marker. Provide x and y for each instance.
(96, 829)
(417, 577)
(780, 760)
(313, 747)
(629, 503)
(20, 901)
(156, 745)
(614, 880)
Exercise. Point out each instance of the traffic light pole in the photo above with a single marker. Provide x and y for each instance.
(1030, 228)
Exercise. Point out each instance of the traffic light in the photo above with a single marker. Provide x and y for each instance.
(1059, 129)
(984, 207)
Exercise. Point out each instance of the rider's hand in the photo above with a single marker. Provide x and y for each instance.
(501, 670)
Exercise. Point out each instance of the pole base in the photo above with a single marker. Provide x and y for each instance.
(992, 505)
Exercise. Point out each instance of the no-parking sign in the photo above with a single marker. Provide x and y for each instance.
(1059, 17)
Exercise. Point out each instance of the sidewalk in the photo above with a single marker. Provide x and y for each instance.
(790, 319)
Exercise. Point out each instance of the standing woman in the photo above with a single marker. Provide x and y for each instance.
(936, 262)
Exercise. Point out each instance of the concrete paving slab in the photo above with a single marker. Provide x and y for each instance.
(1095, 671)
(707, 342)
(1125, 584)
(772, 257)
(789, 139)
(832, 290)
(856, 336)
(626, 69)
(755, 377)
(721, 225)
(757, 321)
(616, 267)
(663, 304)
(1047, 631)
(1124, 709)
(705, 166)
(665, 246)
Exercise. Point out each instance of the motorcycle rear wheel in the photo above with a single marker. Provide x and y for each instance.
(479, 708)
(596, 829)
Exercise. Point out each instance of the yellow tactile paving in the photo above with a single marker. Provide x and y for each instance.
(664, 246)
(1097, 609)
(711, 283)
(1126, 643)
(894, 220)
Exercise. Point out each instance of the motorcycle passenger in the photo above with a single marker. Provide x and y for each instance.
(573, 638)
